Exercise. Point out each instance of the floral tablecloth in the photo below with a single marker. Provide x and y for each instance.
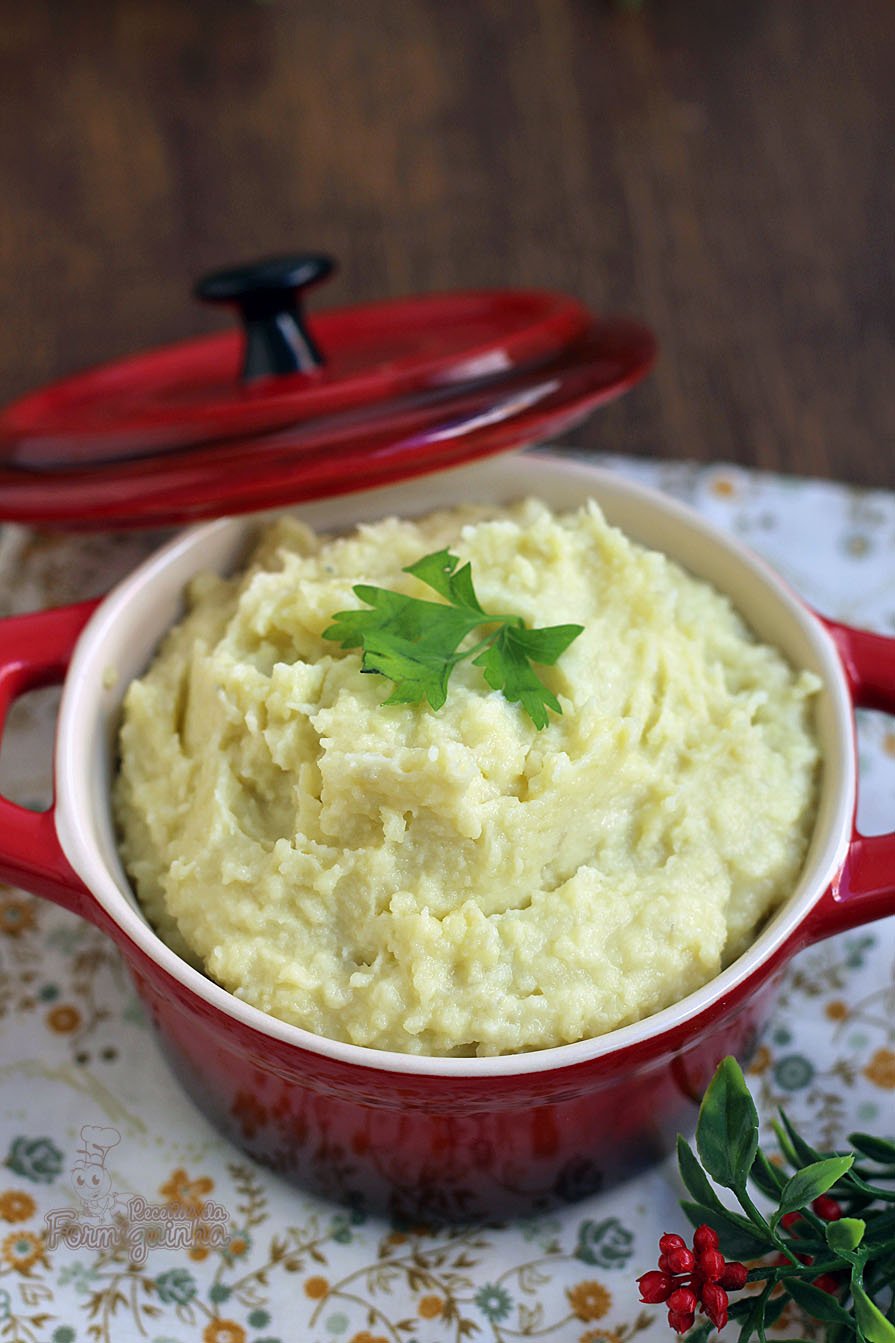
(92, 1120)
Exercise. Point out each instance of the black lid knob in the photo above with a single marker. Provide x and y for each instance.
(268, 296)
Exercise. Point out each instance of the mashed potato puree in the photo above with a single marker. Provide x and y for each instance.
(459, 882)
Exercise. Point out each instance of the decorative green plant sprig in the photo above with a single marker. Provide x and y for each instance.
(416, 643)
(828, 1245)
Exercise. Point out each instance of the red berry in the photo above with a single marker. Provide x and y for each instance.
(671, 1242)
(714, 1303)
(683, 1301)
(704, 1238)
(789, 1218)
(654, 1287)
(827, 1282)
(710, 1265)
(734, 1276)
(680, 1261)
(680, 1323)
(664, 1266)
(827, 1208)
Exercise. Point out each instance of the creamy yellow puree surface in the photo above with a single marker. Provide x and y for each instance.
(459, 882)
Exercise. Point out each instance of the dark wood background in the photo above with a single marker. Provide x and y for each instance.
(721, 168)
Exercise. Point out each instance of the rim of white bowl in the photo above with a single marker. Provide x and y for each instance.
(826, 854)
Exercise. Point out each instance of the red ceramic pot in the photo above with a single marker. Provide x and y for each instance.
(430, 1136)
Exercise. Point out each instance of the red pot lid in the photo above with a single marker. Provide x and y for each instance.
(236, 422)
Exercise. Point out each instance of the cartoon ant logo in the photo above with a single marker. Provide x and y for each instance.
(89, 1178)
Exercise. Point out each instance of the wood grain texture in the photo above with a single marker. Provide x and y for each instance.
(721, 169)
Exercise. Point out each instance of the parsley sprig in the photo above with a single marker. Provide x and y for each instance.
(417, 643)
(827, 1242)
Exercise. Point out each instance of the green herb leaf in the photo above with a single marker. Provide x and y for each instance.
(395, 614)
(856, 1184)
(794, 1145)
(871, 1320)
(818, 1303)
(727, 1129)
(766, 1175)
(809, 1183)
(416, 643)
(507, 667)
(846, 1234)
(694, 1177)
(877, 1149)
(439, 572)
(417, 673)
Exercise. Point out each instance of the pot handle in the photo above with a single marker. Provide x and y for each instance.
(865, 888)
(35, 651)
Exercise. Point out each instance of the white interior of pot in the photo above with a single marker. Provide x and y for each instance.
(119, 642)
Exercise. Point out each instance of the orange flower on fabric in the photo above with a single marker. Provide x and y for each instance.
(237, 1247)
(837, 1010)
(16, 915)
(881, 1069)
(589, 1300)
(223, 1331)
(366, 1337)
(316, 1288)
(200, 1244)
(187, 1193)
(600, 1336)
(16, 1206)
(430, 1307)
(22, 1250)
(63, 1019)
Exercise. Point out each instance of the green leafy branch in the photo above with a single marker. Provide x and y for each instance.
(829, 1243)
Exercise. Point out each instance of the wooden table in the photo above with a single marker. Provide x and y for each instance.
(722, 168)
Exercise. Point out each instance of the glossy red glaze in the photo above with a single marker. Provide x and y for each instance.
(864, 889)
(172, 436)
(35, 651)
(190, 392)
(434, 1147)
(455, 1145)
